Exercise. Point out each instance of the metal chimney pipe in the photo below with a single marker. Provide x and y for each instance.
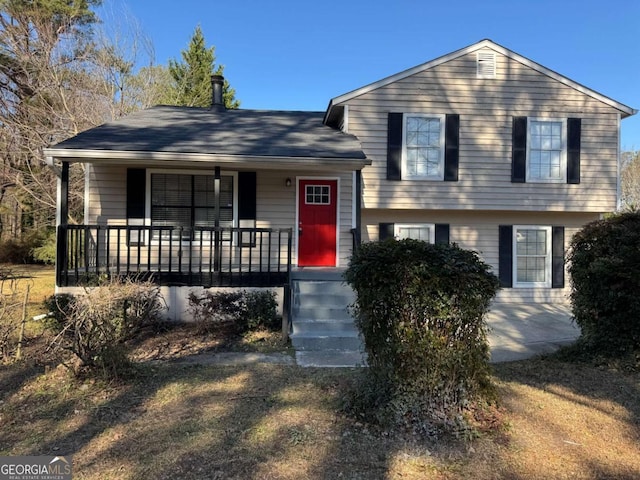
(217, 82)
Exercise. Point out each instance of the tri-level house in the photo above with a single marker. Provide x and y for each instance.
(482, 147)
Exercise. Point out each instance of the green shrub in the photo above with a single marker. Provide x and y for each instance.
(241, 310)
(94, 326)
(604, 263)
(420, 308)
(45, 250)
(261, 310)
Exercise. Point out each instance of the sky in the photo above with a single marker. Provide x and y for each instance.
(298, 54)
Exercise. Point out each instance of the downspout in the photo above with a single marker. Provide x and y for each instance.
(358, 207)
(51, 164)
(619, 170)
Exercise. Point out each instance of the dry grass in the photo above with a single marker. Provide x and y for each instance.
(41, 282)
(280, 422)
(561, 420)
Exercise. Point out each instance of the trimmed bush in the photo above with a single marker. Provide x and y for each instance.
(240, 310)
(604, 263)
(94, 326)
(420, 308)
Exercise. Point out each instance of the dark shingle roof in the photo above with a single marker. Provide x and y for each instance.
(225, 132)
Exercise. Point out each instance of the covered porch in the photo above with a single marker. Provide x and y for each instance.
(208, 197)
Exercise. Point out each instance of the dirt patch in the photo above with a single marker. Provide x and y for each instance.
(172, 341)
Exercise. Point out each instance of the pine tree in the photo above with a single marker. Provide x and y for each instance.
(191, 78)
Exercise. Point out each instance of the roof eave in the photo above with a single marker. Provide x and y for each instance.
(181, 159)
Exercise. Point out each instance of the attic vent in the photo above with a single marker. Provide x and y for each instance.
(486, 63)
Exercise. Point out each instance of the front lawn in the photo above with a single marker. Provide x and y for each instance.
(275, 421)
(556, 420)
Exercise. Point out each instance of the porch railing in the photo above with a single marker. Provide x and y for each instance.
(202, 256)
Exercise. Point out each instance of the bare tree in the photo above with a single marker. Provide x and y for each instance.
(630, 179)
(60, 73)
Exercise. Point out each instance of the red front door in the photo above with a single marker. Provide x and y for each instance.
(317, 220)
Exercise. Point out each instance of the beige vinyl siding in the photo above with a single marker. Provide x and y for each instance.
(276, 203)
(486, 108)
(478, 231)
(106, 202)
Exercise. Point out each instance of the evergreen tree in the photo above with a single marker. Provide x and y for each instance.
(191, 78)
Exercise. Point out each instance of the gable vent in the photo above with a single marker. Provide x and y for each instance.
(486, 65)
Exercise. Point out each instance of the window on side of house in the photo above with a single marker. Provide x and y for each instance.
(423, 147)
(420, 231)
(532, 256)
(188, 201)
(547, 150)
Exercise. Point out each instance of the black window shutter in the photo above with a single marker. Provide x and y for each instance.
(394, 146)
(451, 147)
(519, 150)
(574, 127)
(247, 197)
(557, 257)
(386, 231)
(136, 192)
(505, 252)
(442, 233)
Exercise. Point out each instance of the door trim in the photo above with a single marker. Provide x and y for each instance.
(295, 229)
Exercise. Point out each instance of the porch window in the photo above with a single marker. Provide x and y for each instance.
(188, 201)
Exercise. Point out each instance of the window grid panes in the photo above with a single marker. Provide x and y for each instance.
(532, 253)
(414, 232)
(546, 149)
(419, 231)
(317, 194)
(179, 200)
(423, 146)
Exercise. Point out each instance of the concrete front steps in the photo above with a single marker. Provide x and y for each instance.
(323, 332)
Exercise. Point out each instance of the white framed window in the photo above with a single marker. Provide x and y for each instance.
(416, 231)
(187, 199)
(547, 150)
(532, 256)
(423, 146)
(317, 195)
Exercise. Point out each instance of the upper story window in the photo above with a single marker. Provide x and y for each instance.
(532, 265)
(421, 231)
(423, 147)
(547, 152)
